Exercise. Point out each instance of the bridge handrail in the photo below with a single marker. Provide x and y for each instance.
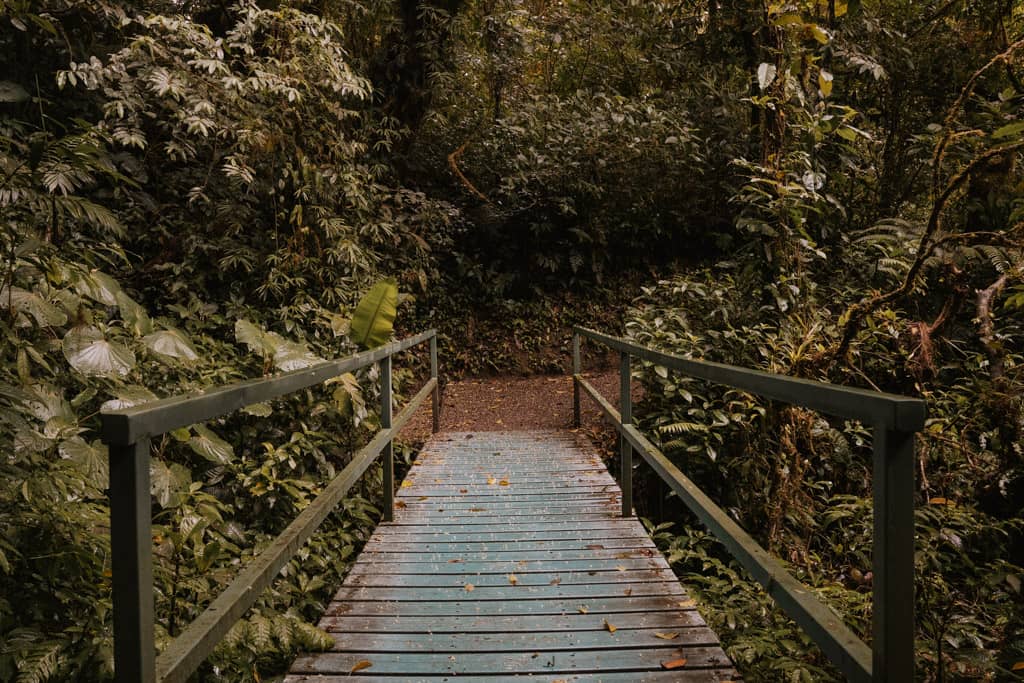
(128, 432)
(894, 420)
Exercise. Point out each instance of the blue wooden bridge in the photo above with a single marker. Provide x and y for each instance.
(511, 555)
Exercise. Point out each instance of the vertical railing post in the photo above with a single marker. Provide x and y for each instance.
(626, 450)
(388, 452)
(131, 560)
(436, 399)
(893, 581)
(576, 370)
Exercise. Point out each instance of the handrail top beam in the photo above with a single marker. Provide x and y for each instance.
(901, 413)
(128, 425)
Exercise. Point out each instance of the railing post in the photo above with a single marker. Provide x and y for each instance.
(625, 449)
(388, 452)
(436, 404)
(576, 369)
(893, 557)
(131, 547)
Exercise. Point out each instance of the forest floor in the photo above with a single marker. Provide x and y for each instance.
(516, 403)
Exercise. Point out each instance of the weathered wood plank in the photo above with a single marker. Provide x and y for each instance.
(509, 592)
(362, 577)
(523, 555)
(548, 663)
(678, 676)
(524, 623)
(471, 606)
(511, 566)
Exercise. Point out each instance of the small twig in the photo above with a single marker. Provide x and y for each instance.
(453, 164)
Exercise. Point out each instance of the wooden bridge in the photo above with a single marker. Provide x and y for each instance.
(508, 555)
(511, 555)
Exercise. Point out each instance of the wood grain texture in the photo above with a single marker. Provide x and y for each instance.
(508, 559)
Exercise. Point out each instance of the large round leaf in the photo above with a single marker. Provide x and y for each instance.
(129, 396)
(92, 460)
(91, 354)
(171, 344)
(374, 317)
(31, 304)
(211, 446)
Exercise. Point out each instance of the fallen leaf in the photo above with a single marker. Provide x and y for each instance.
(674, 663)
(1017, 666)
(463, 490)
(491, 481)
(478, 509)
(595, 546)
(422, 498)
(555, 581)
(503, 482)
(624, 556)
(666, 636)
(687, 604)
(454, 561)
(937, 501)
(583, 609)
(628, 592)
(469, 587)
(360, 665)
(620, 568)
(406, 484)
(609, 627)
(513, 579)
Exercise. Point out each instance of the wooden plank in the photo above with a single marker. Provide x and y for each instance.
(472, 606)
(418, 535)
(577, 621)
(524, 555)
(480, 593)
(510, 566)
(548, 664)
(365, 578)
(536, 641)
(509, 546)
(679, 676)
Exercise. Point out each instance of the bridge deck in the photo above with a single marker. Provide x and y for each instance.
(508, 557)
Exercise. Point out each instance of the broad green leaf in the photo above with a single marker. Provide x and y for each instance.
(134, 314)
(128, 396)
(1009, 130)
(47, 403)
(171, 343)
(825, 82)
(91, 354)
(92, 459)
(374, 317)
(289, 355)
(99, 287)
(32, 304)
(818, 33)
(253, 337)
(166, 482)
(211, 446)
(348, 397)
(259, 410)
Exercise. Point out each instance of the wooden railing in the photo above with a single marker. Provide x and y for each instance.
(128, 432)
(894, 420)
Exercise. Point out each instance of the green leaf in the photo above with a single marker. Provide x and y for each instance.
(133, 314)
(211, 446)
(259, 410)
(31, 303)
(99, 287)
(253, 337)
(1009, 130)
(374, 317)
(128, 396)
(289, 355)
(171, 344)
(91, 354)
(825, 83)
(92, 460)
(818, 33)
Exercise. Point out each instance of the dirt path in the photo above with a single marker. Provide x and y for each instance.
(514, 403)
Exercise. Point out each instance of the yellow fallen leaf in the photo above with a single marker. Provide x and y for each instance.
(503, 482)
(422, 498)
(666, 636)
(583, 609)
(513, 579)
(406, 484)
(674, 663)
(937, 501)
(685, 604)
(1018, 666)
(360, 665)
(469, 587)
(491, 481)
(401, 504)
(609, 627)
(620, 568)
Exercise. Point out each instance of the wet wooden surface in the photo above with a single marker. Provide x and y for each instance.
(508, 559)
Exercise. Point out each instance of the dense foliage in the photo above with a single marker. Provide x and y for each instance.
(193, 193)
